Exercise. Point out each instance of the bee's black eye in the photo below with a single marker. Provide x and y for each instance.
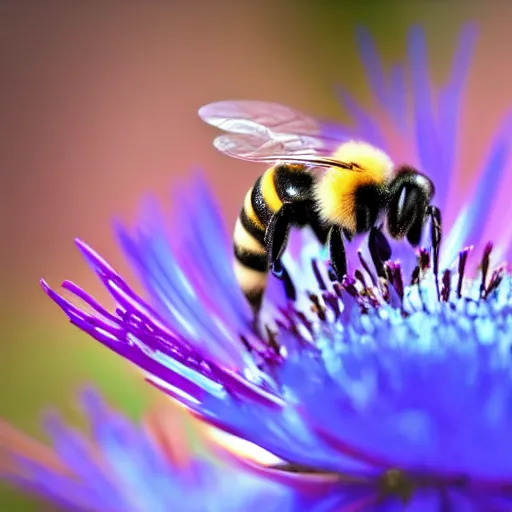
(410, 195)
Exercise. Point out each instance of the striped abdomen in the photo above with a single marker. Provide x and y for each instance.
(277, 185)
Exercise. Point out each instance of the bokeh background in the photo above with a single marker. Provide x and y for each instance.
(98, 107)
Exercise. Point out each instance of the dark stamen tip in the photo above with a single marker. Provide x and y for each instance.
(333, 302)
(365, 265)
(272, 340)
(317, 306)
(424, 259)
(246, 344)
(318, 275)
(445, 291)
(486, 260)
(415, 276)
(395, 278)
(289, 287)
(463, 258)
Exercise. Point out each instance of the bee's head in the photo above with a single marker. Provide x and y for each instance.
(410, 193)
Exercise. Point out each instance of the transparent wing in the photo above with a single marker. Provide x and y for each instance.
(243, 116)
(263, 131)
(289, 148)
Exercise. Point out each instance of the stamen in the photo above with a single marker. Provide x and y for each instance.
(486, 259)
(304, 320)
(272, 340)
(424, 260)
(317, 307)
(463, 258)
(289, 287)
(394, 273)
(333, 302)
(337, 290)
(246, 344)
(445, 291)
(365, 265)
(496, 278)
(415, 276)
(318, 276)
(292, 326)
(348, 285)
(360, 277)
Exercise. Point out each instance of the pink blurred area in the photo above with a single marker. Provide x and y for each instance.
(100, 107)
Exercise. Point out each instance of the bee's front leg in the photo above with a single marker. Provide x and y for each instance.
(276, 237)
(320, 229)
(337, 252)
(380, 250)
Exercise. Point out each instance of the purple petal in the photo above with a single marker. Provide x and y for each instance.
(450, 99)
(425, 128)
(372, 65)
(366, 128)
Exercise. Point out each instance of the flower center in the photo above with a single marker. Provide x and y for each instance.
(397, 483)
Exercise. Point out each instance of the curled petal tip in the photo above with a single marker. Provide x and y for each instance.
(93, 258)
(49, 290)
(91, 401)
(80, 243)
(52, 421)
(88, 393)
(68, 285)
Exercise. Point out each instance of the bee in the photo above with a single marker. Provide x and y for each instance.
(340, 188)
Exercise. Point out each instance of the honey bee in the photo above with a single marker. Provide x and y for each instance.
(340, 188)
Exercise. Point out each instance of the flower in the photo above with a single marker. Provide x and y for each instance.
(370, 393)
(123, 467)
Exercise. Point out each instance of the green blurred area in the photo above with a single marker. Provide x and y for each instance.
(46, 370)
(44, 361)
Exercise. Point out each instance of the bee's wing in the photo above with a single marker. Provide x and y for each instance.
(260, 147)
(246, 115)
(266, 132)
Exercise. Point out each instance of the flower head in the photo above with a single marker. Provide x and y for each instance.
(370, 391)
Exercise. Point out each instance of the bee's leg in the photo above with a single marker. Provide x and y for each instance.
(436, 229)
(415, 231)
(319, 228)
(436, 234)
(337, 252)
(276, 237)
(380, 250)
(348, 235)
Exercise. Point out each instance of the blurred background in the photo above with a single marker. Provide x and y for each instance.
(98, 107)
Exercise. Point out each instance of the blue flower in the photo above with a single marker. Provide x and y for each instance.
(372, 394)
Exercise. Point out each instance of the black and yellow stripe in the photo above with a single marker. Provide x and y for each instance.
(277, 185)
